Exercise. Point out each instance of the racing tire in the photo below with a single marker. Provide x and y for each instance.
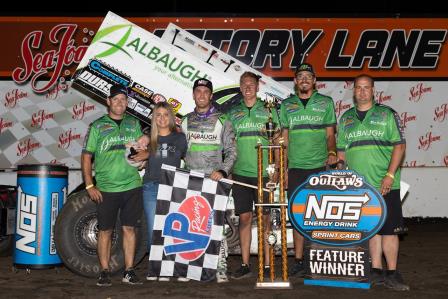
(76, 238)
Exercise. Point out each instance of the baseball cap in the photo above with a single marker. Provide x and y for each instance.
(117, 89)
(305, 67)
(203, 82)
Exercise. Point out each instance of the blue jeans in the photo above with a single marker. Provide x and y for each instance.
(149, 204)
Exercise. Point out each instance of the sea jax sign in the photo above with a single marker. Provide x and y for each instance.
(337, 212)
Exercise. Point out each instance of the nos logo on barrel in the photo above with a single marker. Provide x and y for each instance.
(187, 232)
(337, 207)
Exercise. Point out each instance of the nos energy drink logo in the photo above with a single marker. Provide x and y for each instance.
(188, 230)
(337, 208)
(26, 226)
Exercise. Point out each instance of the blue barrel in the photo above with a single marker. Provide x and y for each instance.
(41, 193)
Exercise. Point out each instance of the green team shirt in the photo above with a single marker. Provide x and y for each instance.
(307, 129)
(248, 126)
(105, 140)
(368, 144)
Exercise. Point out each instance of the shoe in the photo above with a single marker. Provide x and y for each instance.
(104, 279)
(298, 269)
(221, 277)
(376, 277)
(267, 273)
(151, 278)
(395, 282)
(130, 277)
(164, 278)
(183, 279)
(243, 272)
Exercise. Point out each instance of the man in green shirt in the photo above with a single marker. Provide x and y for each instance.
(308, 120)
(118, 183)
(248, 119)
(371, 141)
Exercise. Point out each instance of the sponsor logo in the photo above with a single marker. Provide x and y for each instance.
(108, 72)
(39, 65)
(66, 138)
(337, 208)
(405, 118)
(187, 232)
(4, 124)
(381, 97)
(146, 92)
(202, 136)
(38, 118)
(26, 147)
(79, 110)
(340, 107)
(53, 92)
(13, 96)
(427, 140)
(363, 133)
(441, 112)
(113, 47)
(321, 85)
(348, 85)
(418, 91)
(26, 226)
(176, 104)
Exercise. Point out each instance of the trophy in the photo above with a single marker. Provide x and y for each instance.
(272, 282)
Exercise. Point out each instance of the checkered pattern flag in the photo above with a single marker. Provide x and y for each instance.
(188, 225)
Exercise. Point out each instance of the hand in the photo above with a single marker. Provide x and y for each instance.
(141, 155)
(95, 194)
(216, 175)
(332, 160)
(386, 185)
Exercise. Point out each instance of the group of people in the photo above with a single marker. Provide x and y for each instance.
(223, 145)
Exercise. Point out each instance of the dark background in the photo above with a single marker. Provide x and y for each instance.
(231, 8)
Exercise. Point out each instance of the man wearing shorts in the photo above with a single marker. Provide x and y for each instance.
(248, 119)
(118, 184)
(308, 120)
(371, 141)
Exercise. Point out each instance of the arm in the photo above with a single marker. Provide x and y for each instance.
(395, 161)
(86, 166)
(331, 146)
(229, 146)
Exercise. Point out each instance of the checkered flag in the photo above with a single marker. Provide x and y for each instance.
(188, 225)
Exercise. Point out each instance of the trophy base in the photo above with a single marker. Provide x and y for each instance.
(276, 284)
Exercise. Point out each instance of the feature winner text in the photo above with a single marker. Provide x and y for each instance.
(337, 262)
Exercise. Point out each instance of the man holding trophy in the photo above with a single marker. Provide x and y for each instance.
(249, 120)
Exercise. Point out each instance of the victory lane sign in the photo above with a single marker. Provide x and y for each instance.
(337, 212)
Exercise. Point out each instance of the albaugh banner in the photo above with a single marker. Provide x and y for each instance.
(39, 113)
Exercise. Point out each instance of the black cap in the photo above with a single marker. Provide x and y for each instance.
(305, 67)
(117, 89)
(203, 82)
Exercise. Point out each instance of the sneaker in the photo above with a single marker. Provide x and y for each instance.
(183, 279)
(267, 272)
(395, 282)
(242, 272)
(151, 278)
(164, 278)
(104, 279)
(221, 277)
(298, 269)
(130, 277)
(376, 277)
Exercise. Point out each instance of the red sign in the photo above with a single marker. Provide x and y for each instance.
(198, 211)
